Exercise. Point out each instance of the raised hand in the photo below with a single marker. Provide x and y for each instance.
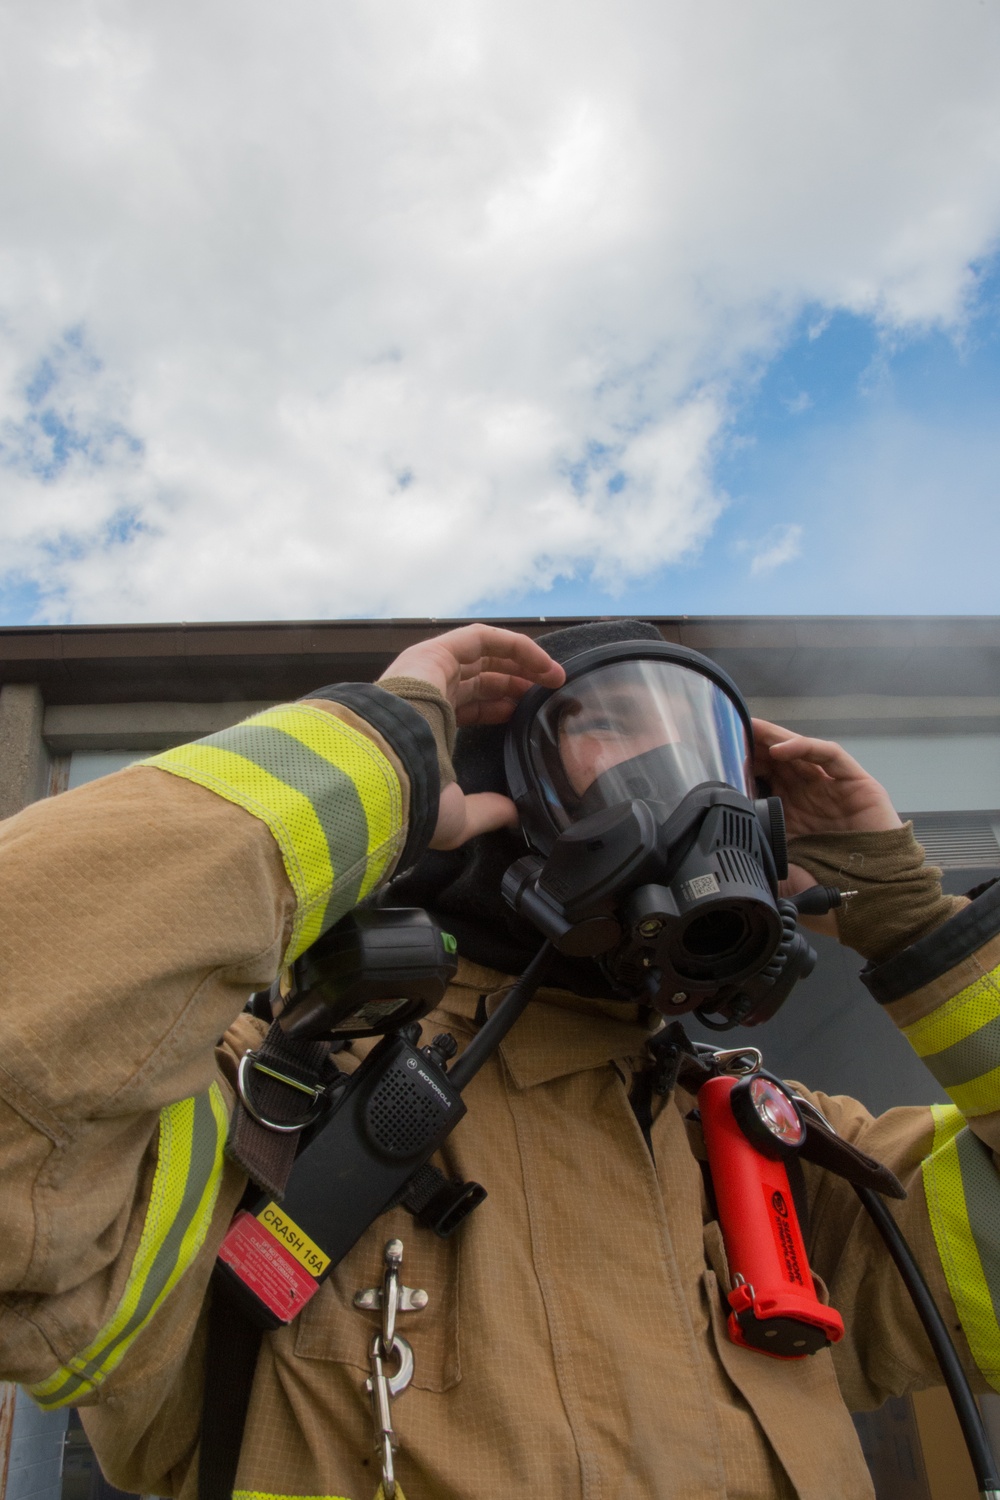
(484, 672)
(823, 789)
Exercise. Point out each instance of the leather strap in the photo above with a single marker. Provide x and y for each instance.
(267, 1155)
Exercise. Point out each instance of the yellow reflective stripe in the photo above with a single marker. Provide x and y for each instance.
(960, 1044)
(267, 1495)
(962, 1189)
(972, 1008)
(948, 1121)
(382, 813)
(192, 1135)
(981, 1096)
(329, 796)
(288, 814)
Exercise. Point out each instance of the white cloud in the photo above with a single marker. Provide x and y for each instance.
(781, 545)
(389, 306)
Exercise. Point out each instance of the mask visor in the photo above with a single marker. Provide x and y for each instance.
(649, 730)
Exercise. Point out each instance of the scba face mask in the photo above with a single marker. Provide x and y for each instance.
(649, 848)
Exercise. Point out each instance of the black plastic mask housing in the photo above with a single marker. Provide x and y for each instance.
(659, 772)
(668, 877)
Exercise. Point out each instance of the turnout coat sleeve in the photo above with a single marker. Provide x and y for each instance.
(944, 993)
(137, 914)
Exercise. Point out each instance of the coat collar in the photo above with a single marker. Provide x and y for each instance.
(559, 1033)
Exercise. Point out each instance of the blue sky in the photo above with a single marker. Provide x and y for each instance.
(871, 458)
(860, 468)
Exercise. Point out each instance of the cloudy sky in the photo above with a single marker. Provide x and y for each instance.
(436, 307)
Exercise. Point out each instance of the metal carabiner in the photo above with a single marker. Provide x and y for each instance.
(392, 1297)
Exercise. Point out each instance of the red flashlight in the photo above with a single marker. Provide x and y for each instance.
(751, 1127)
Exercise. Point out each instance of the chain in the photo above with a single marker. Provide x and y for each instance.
(389, 1348)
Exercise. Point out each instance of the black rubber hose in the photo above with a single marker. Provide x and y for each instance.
(493, 1031)
(955, 1379)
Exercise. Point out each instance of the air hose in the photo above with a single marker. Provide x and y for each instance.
(964, 1402)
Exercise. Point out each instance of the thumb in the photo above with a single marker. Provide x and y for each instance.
(461, 818)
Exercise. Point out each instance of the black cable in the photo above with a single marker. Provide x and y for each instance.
(955, 1378)
(493, 1031)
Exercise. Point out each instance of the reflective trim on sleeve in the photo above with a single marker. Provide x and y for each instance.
(960, 1044)
(265, 1495)
(181, 1203)
(962, 1188)
(330, 797)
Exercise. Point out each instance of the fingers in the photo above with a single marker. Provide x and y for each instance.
(784, 747)
(766, 734)
(490, 698)
(490, 648)
(461, 818)
(494, 711)
(479, 661)
(828, 756)
(824, 789)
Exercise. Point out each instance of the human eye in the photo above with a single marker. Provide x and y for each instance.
(589, 722)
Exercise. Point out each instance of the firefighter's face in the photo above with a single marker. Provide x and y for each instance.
(597, 732)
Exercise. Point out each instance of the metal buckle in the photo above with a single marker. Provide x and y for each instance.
(738, 1060)
(251, 1060)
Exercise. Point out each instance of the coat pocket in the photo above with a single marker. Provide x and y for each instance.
(330, 1326)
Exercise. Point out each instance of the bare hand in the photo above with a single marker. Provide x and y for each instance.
(484, 672)
(823, 790)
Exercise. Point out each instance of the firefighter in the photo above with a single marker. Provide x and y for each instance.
(573, 1341)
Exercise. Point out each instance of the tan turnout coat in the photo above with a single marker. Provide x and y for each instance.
(574, 1341)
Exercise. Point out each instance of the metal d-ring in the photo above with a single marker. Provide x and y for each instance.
(730, 1060)
(251, 1060)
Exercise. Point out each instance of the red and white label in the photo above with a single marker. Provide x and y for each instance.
(270, 1271)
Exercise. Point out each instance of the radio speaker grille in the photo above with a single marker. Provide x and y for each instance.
(400, 1115)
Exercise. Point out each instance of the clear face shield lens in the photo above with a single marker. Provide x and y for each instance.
(648, 730)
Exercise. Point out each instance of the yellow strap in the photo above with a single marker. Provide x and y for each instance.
(960, 1043)
(331, 799)
(962, 1188)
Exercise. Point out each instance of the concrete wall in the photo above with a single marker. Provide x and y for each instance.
(933, 772)
(34, 1469)
(23, 756)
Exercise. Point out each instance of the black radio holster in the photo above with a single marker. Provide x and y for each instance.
(296, 1115)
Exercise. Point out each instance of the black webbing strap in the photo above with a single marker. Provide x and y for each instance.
(266, 1155)
(230, 1362)
(666, 1051)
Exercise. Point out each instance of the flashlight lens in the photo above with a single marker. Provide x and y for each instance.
(776, 1112)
